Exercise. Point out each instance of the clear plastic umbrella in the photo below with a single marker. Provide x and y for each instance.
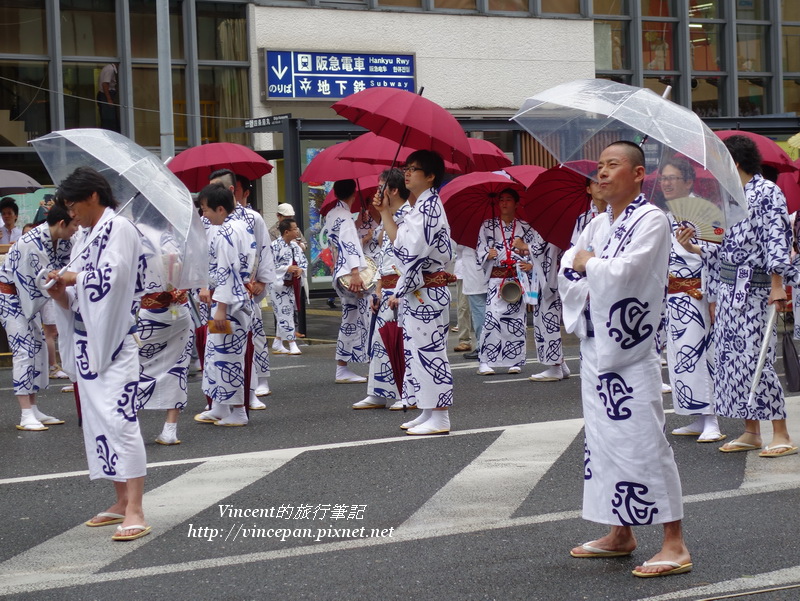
(150, 195)
(576, 120)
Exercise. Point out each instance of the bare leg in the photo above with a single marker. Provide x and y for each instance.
(26, 400)
(673, 549)
(129, 499)
(619, 538)
(172, 416)
(780, 434)
(751, 435)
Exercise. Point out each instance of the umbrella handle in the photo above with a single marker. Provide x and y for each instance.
(43, 274)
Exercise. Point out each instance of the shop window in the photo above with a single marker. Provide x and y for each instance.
(706, 48)
(24, 102)
(751, 48)
(221, 32)
(658, 8)
(610, 45)
(658, 46)
(224, 103)
(752, 97)
(144, 43)
(147, 118)
(707, 96)
(88, 28)
(22, 27)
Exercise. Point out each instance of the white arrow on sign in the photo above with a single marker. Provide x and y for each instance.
(280, 71)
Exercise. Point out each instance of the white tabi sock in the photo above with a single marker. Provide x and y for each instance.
(423, 417)
(169, 431)
(440, 420)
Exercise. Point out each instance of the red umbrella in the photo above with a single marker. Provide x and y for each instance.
(553, 203)
(790, 186)
(374, 149)
(365, 190)
(409, 119)
(487, 156)
(470, 199)
(328, 167)
(524, 174)
(392, 336)
(194, 165)
(771, 154)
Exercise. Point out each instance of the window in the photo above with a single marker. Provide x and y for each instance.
(704, 9)
(509, 5)
(455, 4)
(145, 99)
(80, 94)
(790, 10)
(707, 96)
(752, 97)
(224, 102)
(408, 3)
(144, 43)
(24, 102)
(751, 47)
(611, 7)
(23, 29)
(658, 46)
(791, 48)
(88, 28)
(561, 7)
(751, 10)
(706, 48)
(221, 32)
(791, 95)
(658, 8)
(610, 45)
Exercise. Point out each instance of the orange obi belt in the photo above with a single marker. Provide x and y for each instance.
(690, 286)
(7, 288)
(437, 279)
(162, 300)
(389, 281)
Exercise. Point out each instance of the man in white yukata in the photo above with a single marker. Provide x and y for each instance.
(423, 247)
(45, 247)
(232, 254)
(290, 266)
(613, 284)
(348, 256)
(504, 243)
(164, 326)
(384, 385)
(263, 276)
(96, 323)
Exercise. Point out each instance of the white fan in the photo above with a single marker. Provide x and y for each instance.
(703, 215)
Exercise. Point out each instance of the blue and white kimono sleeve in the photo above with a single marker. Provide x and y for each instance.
(107, 284)
(344, 240)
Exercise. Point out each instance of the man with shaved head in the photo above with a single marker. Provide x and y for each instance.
(613, 285)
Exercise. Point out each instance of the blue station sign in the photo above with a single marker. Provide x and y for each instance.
(301, 75)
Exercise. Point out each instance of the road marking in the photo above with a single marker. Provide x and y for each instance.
(69, 558)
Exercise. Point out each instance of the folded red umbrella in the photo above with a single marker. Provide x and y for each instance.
(194, 165)
(471, 199)
(553, 203)
(771, 154)
(374, 149)
(487, 156)
(392, 336)
(328, 167)
(410, 120)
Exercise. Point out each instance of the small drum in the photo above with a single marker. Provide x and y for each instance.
(369, 275)
(511, 291)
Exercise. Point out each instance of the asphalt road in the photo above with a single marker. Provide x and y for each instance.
(316, 501)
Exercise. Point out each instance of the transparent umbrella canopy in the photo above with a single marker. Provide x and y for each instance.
(576, 120)
(150, 195)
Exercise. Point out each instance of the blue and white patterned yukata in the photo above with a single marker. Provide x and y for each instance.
(264, 272)
(96, 333)
(232, 255)
(340, 229)
(382, 382)
(752, 249)
(630, 476)
(282, 292)
(503, 339)
(19, 313)
(166, 337)
(547, 312)
(690, 347)
(423, 245)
